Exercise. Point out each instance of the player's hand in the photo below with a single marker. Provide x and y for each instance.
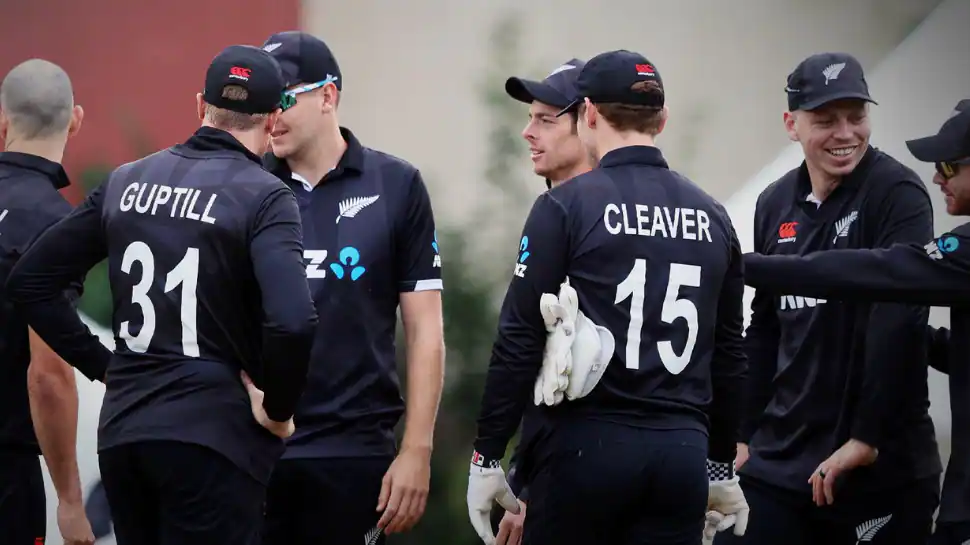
(279, 429)
(725, 496)
(510, 529)
(487, 484)
(404, 490)
(73, 524)
(742, 456)
(852, 454)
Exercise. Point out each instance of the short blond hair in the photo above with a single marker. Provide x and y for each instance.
(229, 120)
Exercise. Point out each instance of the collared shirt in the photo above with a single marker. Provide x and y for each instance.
(29, 204)
(369, 236)
(206, 271)
(655, 260)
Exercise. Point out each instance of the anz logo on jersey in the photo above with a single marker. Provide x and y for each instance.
(943, 245)
(347, 265)
(520, 265)
(437, 257)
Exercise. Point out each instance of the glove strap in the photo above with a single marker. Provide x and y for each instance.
(485, 463)
(720, 471)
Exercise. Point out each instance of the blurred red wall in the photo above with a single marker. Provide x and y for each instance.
(135, 65)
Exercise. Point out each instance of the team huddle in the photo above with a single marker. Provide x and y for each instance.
(258, 268)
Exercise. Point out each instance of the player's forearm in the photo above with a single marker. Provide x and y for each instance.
(894, 340)
(425, 380)
(53, 408)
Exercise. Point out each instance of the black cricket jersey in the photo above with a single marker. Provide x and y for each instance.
(29, 204)
(207, 279)
(822, 371)
(936, 273)
(369, 236)
(655, 260)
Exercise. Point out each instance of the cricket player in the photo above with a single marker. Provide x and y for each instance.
(38, 394)
(935, 273)
(655, 260)
(370, 249)
(557, 155)
(212, 316)
(838, 445)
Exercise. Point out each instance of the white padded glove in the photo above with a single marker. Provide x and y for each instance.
(559, 315)
(725, 496)
(716, 522)
(487, 484)
(592, 351)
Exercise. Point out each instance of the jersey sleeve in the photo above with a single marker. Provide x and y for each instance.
(934, 272)
(729, 362)
(517, 352)
(761, 341)
(42, 279)
(906, 217)
(418, 260)
(289, 316)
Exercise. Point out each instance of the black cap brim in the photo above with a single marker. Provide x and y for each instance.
(528, 91)
(935, 149)
(570, 107)
(819, 102)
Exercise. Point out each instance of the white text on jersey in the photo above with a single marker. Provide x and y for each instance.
(182, 201)
(684, 223)
(795, 302)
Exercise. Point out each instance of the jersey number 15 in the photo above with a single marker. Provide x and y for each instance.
(634, 287)
(186, 274)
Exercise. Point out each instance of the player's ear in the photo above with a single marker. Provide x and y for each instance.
(790, 118)
(77, 116)
(200, 106)
(590, 114)
(271, 120)
(4, 125)
(329, 97)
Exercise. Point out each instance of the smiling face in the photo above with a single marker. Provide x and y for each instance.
(834, 137)
(556, 150)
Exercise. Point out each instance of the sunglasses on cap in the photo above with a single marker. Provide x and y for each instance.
(949, 169)
(289, 96)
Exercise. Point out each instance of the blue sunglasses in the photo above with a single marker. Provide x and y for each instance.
(288, 100)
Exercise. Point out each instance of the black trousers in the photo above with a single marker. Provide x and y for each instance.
(608, 483)
(23, 501)
(171, 493)
(330, 501)
(895, 517)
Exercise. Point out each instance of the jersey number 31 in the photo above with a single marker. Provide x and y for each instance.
(186, 274)
(634, 287)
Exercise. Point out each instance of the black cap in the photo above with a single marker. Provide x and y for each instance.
(250, 68)
(826, 77)
(558, 89)
(304, 58)
(951, 143)
(618, 77)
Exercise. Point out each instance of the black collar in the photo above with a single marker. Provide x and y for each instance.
(850, 181)
(51, 170)
(212, 139)
(634, 155)
(352, 160)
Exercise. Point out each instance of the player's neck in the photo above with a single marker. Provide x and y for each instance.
(319, 159)
(577, 169)
(51, 149)
(617, 140)
(823, 184)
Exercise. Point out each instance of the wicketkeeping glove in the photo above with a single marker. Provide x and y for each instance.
(592, 351)
(559, 315)
(716, 522)
(487, 484)
(725, 496)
